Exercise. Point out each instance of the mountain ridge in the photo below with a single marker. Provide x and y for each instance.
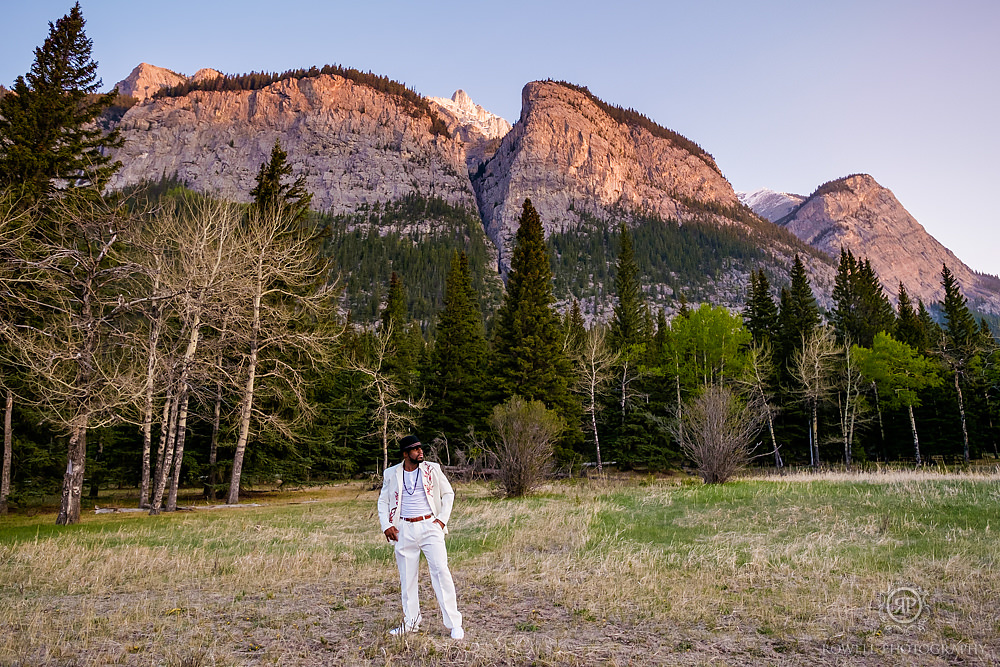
(578, 159)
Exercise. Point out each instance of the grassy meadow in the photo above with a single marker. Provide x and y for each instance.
(778, 571)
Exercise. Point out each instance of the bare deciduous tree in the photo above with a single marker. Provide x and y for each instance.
(849, 402)
(813, 369)
(525, 437)
(75, 353)
(14, 222)
(393, 412)
(718, 431)
(755, 381)
(282, 325)
(595, 364)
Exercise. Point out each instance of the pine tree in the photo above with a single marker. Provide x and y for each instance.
(932, 330)
(959, 324)
(270, 190)
(458, 360)
(48, 138)
(394, 316)
(627, 322)
(861, 308)
(575, 327)
(959, 343)
(799, 314)
(528, 358)
(909, 328)
(760, 314)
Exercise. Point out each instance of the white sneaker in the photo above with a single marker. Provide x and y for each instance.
(457, 633)
(404, 628)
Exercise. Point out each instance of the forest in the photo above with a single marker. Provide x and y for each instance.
(160, 340)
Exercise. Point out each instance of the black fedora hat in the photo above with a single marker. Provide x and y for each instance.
(408, 443)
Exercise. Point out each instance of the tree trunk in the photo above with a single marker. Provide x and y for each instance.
(593, 426)
(677, 378)
(164, 465)
(774, 441)
(385, 441)
(213, 451)
(246, 405)
(147, 415)
(961, 411)
(246, 412)
(843, 408)
(916, 442)
(881, 429)
(815, 433)
(69, 507)
(178, 453)
(164, 437)
(624, 386)
(850, 433)
(8, 450)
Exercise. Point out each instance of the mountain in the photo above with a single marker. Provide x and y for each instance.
(145, 80)
(479, 129)
(769, 204)
(570, 157)
(583, 162)
(362, 141)
(858, 214)
(354, 144)
(468, 120)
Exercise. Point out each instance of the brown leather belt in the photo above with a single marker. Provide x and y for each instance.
(414, 519)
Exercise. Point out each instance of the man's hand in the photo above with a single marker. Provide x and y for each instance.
(392, 534)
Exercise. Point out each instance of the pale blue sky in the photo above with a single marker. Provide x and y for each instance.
(784, 94)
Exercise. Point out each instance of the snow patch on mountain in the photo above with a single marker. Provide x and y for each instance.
(769, 204)
(470, 115)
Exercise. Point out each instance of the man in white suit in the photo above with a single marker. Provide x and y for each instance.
(413, 510)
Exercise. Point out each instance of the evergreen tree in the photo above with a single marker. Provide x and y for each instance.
(528, 357)
(959, 325)
(799, 314)
(959, 347)
(272, 191)
(760, 314)
(861, 308)
(458, 360)
(909, 328)
(627, 322)
(48, 137)
(403, 363)
(575, 328)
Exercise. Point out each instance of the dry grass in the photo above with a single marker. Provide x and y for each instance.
(783, 572)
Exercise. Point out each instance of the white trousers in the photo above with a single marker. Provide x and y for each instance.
(426, 536)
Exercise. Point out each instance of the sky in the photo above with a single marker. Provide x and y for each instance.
(784, 94)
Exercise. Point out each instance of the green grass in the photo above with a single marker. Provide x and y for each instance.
(768, 572)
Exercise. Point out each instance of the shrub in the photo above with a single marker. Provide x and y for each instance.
(525, 434)
(717, 431)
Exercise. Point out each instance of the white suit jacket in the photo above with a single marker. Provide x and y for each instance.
(440, 495)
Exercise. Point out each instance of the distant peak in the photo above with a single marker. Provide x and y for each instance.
(206, 73)
(462, 99)
(145, 79)
(468, 114)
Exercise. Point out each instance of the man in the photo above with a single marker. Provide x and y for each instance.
(413, 510)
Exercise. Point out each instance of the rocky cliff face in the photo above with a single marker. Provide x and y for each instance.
(146, 79)
(354, 145)
(857, 213)
(569, 156)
